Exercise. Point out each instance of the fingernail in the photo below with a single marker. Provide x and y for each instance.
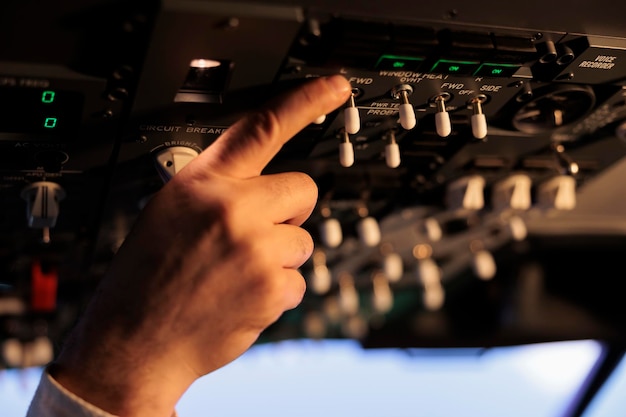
(339, 84)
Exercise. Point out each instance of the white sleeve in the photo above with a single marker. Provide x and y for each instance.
(52, 400)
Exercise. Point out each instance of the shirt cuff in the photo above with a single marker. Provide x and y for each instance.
(51, 399)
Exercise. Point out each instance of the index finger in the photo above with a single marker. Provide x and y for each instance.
(248, 146)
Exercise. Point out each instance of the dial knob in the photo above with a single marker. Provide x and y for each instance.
(170, 160)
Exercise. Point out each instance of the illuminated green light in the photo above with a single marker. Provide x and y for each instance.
(50, 122)
(47, 96)
(496, 70)
(453, 67)
(398, 61)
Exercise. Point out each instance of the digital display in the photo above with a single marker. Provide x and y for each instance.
(42, 111)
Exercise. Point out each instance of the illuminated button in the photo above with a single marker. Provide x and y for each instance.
(455, 67)
(395, 62)
(496, 70)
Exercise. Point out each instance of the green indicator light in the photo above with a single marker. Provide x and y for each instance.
(496, 70)
(50, 122)
(47, 96)
(454, 67)
(398, 62)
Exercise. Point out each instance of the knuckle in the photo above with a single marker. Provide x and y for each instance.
(306, 245)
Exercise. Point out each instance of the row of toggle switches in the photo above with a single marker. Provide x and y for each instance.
(468, 194)
(408, 120)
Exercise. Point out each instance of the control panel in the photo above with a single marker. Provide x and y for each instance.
(455, 183)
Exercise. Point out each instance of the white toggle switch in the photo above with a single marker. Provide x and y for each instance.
(478, 119)
(369, 231)
(346, 151)
(407, 116)
(513, 192)
(382, 296)
(348, 295)
(466, 193)
(321, 279)
(558, 193)
(392, 152)
(429, 275)
(517, 228)
(432, 229)
(321, 119)
(392, 155)
(351, 117)
(171, 160)
(442, 118)
(406, 112)
(393, 267)
(484, 265)
(42, 200)
(330, 232)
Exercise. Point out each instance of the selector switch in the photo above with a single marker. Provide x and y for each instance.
(171, 160)
(42, 199)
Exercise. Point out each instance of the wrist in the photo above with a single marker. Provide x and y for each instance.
(118, 375)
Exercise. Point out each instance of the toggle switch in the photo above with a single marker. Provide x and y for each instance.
(513, 192)
(442, 118)
(466, 193)
(348, 294)
(429, 275)
(432, 229)
(346, 151)
(558, 193)
(392, 151)
(478, 121)
(42, 199)
(484, 265)
(369, 231)
(393, 267)
(330, 232)
(171, 160)
(382, 296)
(406, 110)
(321, 119)
(320, 280)
(352, 120)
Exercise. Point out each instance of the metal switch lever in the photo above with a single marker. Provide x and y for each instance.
(42, 199)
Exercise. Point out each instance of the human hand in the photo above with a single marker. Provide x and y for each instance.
(211, 262)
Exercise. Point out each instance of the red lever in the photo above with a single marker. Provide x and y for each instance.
(43, 288)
